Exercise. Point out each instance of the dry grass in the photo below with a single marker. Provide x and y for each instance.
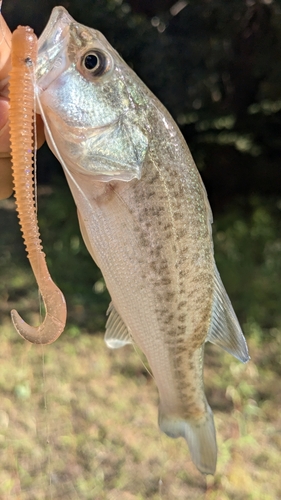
(78, 421)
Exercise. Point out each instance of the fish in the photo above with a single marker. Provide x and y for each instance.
(145, 218)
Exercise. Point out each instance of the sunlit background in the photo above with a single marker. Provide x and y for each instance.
(79, 422)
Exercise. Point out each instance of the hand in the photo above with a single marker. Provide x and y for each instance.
(6, 184)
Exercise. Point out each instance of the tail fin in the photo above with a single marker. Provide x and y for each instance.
(200, 435)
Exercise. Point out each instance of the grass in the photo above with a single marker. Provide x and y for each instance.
(79, 421)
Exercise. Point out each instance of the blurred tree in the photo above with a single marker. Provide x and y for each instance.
(215, 66)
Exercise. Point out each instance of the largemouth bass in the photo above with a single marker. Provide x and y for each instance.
(145, 218)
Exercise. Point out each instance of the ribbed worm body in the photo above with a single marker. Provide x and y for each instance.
(22, 116)
(21, 134)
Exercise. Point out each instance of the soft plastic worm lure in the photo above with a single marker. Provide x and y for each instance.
(24, 49)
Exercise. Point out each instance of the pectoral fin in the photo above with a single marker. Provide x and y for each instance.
(117, 334)
(225, 330)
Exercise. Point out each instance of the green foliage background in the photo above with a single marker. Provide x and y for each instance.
(216, 67)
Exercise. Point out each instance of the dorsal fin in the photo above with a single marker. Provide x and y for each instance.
(224, 329)
(116, 334)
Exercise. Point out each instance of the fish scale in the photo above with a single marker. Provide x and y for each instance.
(175, 335)
(145, 219)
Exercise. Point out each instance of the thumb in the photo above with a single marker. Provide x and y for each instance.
(5, 64)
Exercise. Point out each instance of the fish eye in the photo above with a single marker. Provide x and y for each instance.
(91, 62)
(94, 63)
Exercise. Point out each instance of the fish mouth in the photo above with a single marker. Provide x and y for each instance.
(59, 20)
(51, 45)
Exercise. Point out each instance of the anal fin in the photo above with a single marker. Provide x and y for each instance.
(117, 334)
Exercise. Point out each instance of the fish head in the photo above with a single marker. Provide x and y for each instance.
(93, 105)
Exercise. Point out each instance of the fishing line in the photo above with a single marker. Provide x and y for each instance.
(33, 80)
(31, 69)
(50, 453)
(40, 300)
(138, 352)
(47, 422)
(42, 347)
(57, 153)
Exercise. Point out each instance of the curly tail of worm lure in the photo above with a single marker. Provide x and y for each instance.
(22, 113)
